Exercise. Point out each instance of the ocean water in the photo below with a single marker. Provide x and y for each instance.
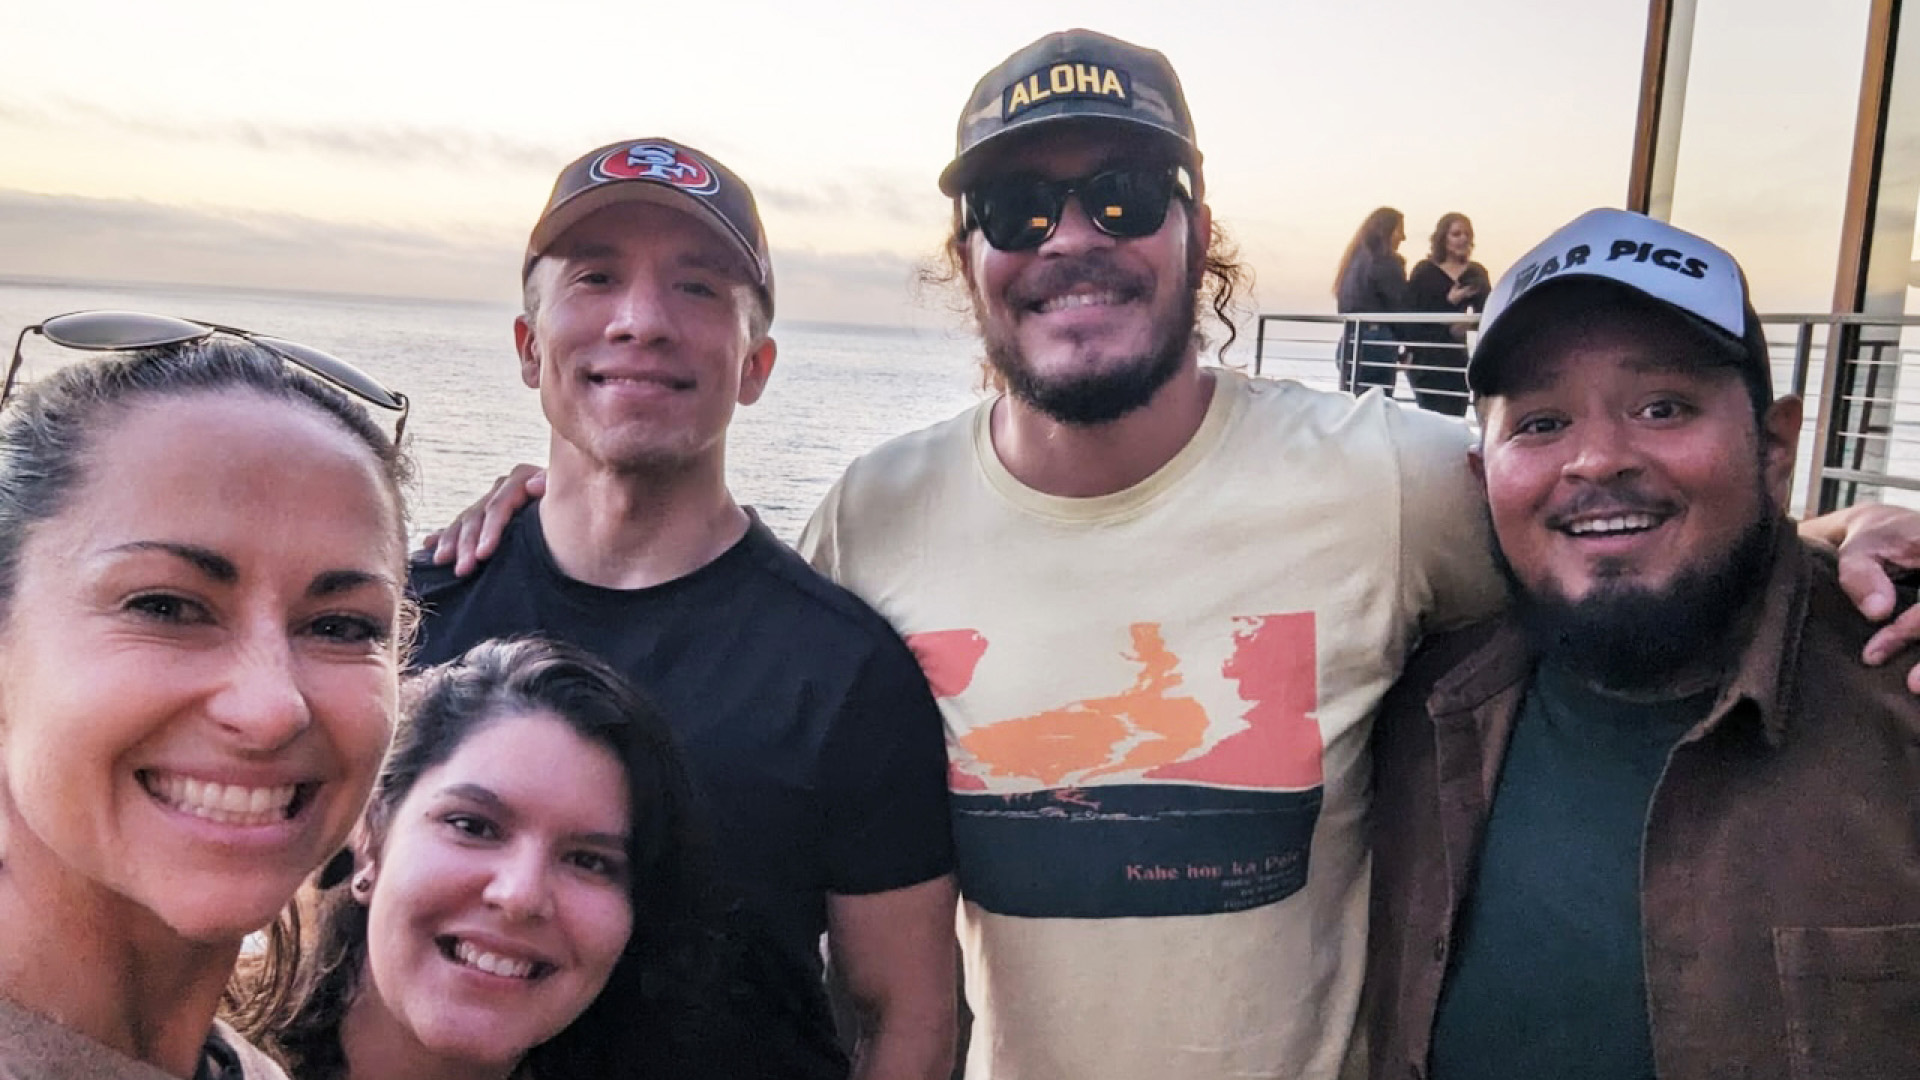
(836, 392)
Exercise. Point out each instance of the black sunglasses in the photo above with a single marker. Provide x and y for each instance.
(116, 331)
(1018, 213)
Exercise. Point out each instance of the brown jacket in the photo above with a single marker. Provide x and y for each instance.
(1780, 877)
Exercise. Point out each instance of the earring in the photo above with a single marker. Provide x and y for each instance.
(362, 885)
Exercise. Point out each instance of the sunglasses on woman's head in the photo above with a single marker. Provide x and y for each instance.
(118, 331)
(1018, 213)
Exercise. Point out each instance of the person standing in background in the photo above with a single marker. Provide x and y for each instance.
(1447, 281)
(1372, 279)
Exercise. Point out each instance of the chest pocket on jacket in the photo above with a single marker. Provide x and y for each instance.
(1852, 1001)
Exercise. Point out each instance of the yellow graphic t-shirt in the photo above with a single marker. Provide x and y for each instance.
(1157, 705)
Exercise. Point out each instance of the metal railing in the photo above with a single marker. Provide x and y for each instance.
(1858, 374)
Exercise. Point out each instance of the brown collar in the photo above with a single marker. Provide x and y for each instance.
(1766, 673)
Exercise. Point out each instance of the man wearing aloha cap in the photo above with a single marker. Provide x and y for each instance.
(1157, 601)
(807, 724)
(1657, 820)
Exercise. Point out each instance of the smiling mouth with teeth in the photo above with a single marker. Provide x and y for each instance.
(1069, 301)
(228, 804)
(664, 381)
(467, 954)
(1617, 525)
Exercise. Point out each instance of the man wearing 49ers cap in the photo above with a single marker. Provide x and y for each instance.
(808, 725)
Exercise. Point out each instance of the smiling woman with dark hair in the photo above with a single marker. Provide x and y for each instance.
(201, 573)
(499, 923)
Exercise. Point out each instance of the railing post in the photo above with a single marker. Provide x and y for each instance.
(1663, 94)
(1876, 244)
(1802, 357)
(1351, 364)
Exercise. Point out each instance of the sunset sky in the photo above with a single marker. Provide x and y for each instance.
(403, 147)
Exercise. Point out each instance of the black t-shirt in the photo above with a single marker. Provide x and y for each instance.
(807, 724)
(1547, 979)
(1427, 289)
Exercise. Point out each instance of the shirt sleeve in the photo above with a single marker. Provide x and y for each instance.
(1482, 285)
(886, 766)
(1372, 285)
(886, 758)
(819, 541)
(1448, 574)
(1347, 295)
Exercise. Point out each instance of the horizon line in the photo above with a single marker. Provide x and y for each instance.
(134, 284)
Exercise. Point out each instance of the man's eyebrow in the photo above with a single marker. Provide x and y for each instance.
(720, 263)
(1681, 362)
(209, 562)
(726, 263)
(587, 249)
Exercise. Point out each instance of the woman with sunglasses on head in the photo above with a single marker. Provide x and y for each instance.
(1447, 281)
(1371, 279)
(525, 897)
(202, 564)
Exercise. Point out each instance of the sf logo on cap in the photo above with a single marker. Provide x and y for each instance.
(660, 163)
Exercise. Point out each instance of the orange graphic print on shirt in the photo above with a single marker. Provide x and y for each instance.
(1152, 726)
(1166, 809)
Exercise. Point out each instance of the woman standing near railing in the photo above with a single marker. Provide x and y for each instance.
(1372, 279)
(1447, 281)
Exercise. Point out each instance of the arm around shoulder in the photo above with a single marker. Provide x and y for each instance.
(1876, 543)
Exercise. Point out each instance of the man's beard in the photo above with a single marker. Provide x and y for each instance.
(1095, 397)
(1635, 641)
